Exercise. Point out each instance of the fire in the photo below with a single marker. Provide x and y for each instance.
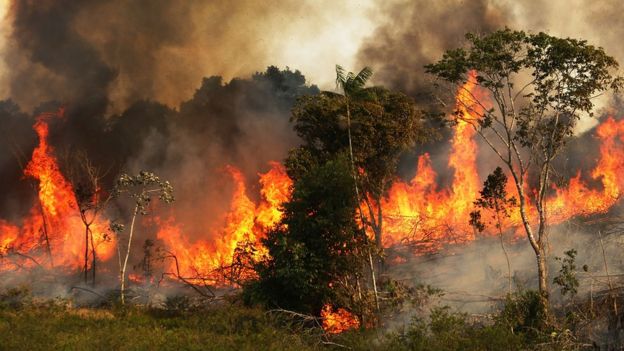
(49, 234)
(418, 210)
(578, 198)
(245, 223)
(338, 321)
(421, 213)
(275, 190)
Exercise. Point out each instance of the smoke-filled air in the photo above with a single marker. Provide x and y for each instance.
(387, 175)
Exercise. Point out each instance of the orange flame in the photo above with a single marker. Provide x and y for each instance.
(55, 219)
(338, 321)
(417, 210)
(244, 223)
(421, 213)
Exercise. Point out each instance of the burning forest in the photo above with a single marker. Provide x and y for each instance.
(457, 191)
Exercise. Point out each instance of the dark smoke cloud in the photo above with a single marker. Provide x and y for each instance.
(49, 59)
(416, 33)
(127, 50)
(132, 57)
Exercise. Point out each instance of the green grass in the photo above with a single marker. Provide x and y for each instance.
(26, 324)
(218, 328)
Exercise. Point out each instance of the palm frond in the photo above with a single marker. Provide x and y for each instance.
(340, 77)
(349, 82)
(359, 81)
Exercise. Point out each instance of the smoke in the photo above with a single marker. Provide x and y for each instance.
(474, 276)
(159, 50)
(415, 33)
(411, 34)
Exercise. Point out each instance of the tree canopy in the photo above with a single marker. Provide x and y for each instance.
(383, 124)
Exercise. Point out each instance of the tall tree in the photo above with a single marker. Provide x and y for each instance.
(351, 84)
(539, 87)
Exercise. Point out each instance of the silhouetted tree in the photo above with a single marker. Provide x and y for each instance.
(494, 199)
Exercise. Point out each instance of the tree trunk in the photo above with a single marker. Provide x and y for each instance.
(357, 198)
(502, 242)
(45, 234)
(537, 245)
(93, 259)
(370, 259)
(125, 263)
(378, 231)
(542, 273)
(86, 255)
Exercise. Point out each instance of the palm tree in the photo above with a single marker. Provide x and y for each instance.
(352, 85)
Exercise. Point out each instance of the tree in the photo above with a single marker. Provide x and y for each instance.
(87, 179)
(494, 198)
(540, 86)
(140, 188)
(313, 256)
(380, 126)
(384, 124)
(351, 84)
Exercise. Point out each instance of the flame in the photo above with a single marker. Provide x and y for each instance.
(54, 220)
(338, 321)
(578, 198)
(244, 223)
(275, 190)
(418, 211)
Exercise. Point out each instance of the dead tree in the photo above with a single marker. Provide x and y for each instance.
(86, 179)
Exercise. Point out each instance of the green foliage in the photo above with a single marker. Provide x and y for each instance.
(566, 279)
(447, 330)
(524, 313)
(374, 125)
(312, 250)
(351, 83)
(383, 126)
(222, 327)
(566, 75)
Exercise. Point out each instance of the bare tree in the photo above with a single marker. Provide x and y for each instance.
(86, 179)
